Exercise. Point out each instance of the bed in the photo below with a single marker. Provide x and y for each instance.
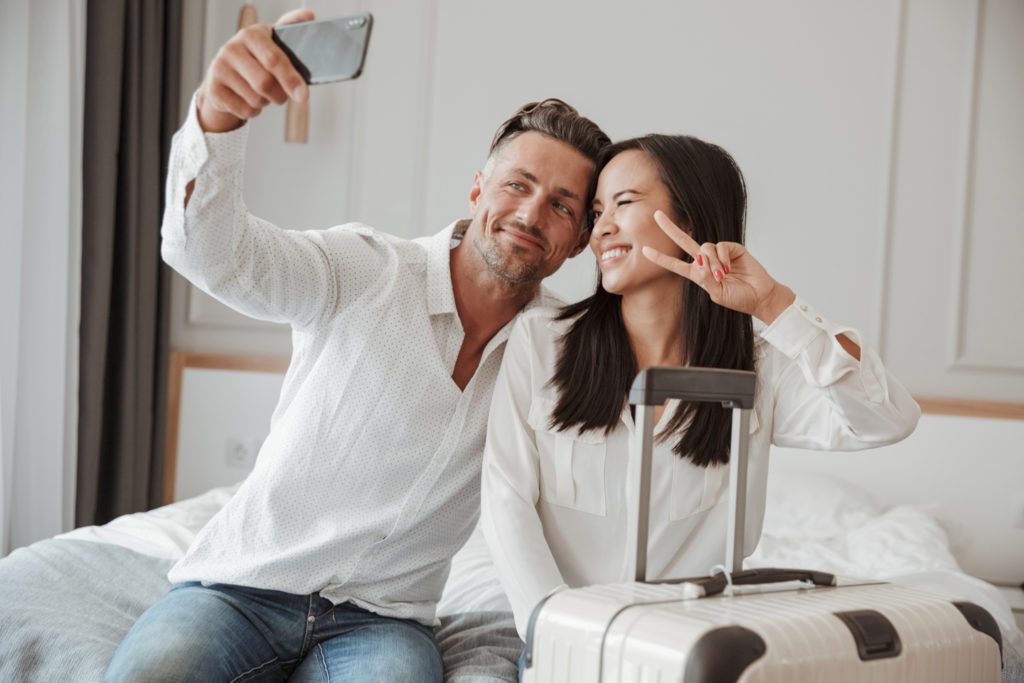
(68, 601)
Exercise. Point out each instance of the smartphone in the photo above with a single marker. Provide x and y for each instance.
(326, 50)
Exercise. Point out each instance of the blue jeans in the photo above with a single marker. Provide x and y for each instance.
(227, 633)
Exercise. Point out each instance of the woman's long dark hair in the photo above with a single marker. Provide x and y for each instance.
(596, 364)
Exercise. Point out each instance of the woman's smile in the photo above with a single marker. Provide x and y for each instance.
(612, 255)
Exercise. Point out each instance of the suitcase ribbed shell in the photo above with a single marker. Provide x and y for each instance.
(640, 633)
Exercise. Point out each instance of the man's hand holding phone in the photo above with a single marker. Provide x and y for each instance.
(249, 72)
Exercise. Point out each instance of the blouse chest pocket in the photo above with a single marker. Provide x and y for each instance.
(572, 463)
(697, 489)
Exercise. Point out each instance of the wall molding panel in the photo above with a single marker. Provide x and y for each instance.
(970, 236)
(961, 262)
(424, 99)
(883, 285)
(353, 122)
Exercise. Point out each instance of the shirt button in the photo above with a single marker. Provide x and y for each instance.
(803, 307)
(818, 319)
(311, 619)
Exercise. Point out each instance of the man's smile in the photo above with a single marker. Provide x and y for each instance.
(522, 238)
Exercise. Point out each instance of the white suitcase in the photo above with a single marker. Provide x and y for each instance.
(748, 626)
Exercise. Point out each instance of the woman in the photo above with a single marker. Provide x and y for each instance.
(554, 487)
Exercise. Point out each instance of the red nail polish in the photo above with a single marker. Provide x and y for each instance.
(726, 269)
(718, 275)
(700, 260)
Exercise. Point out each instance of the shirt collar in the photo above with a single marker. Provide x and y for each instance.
(440, 295)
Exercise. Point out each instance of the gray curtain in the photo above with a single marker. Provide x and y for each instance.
(131, 108)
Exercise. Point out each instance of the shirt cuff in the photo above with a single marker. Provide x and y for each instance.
(194, 151)
(795, 328)
(220, 149)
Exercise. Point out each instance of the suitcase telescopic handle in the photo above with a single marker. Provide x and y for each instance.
(713, 585)
(652, 387)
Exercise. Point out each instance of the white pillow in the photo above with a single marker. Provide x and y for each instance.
(903, 540)
(814, 506)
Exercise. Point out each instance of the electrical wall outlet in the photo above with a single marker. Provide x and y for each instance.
(240, 453)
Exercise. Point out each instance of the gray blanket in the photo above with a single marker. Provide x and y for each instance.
(65, 606)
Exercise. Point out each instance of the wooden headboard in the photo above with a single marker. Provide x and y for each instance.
(970, 408)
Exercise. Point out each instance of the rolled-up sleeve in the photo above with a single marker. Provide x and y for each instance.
(510, 485)
(218, 157)
(826, 399)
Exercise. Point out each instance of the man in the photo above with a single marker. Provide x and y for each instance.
(332, 555)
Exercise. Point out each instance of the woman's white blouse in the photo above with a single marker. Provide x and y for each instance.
(554, 503)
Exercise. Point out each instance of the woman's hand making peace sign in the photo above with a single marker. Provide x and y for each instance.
(726, 271)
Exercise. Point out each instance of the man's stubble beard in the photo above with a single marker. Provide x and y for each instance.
(502, 263)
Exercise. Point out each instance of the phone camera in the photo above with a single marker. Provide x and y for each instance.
(355, 22)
